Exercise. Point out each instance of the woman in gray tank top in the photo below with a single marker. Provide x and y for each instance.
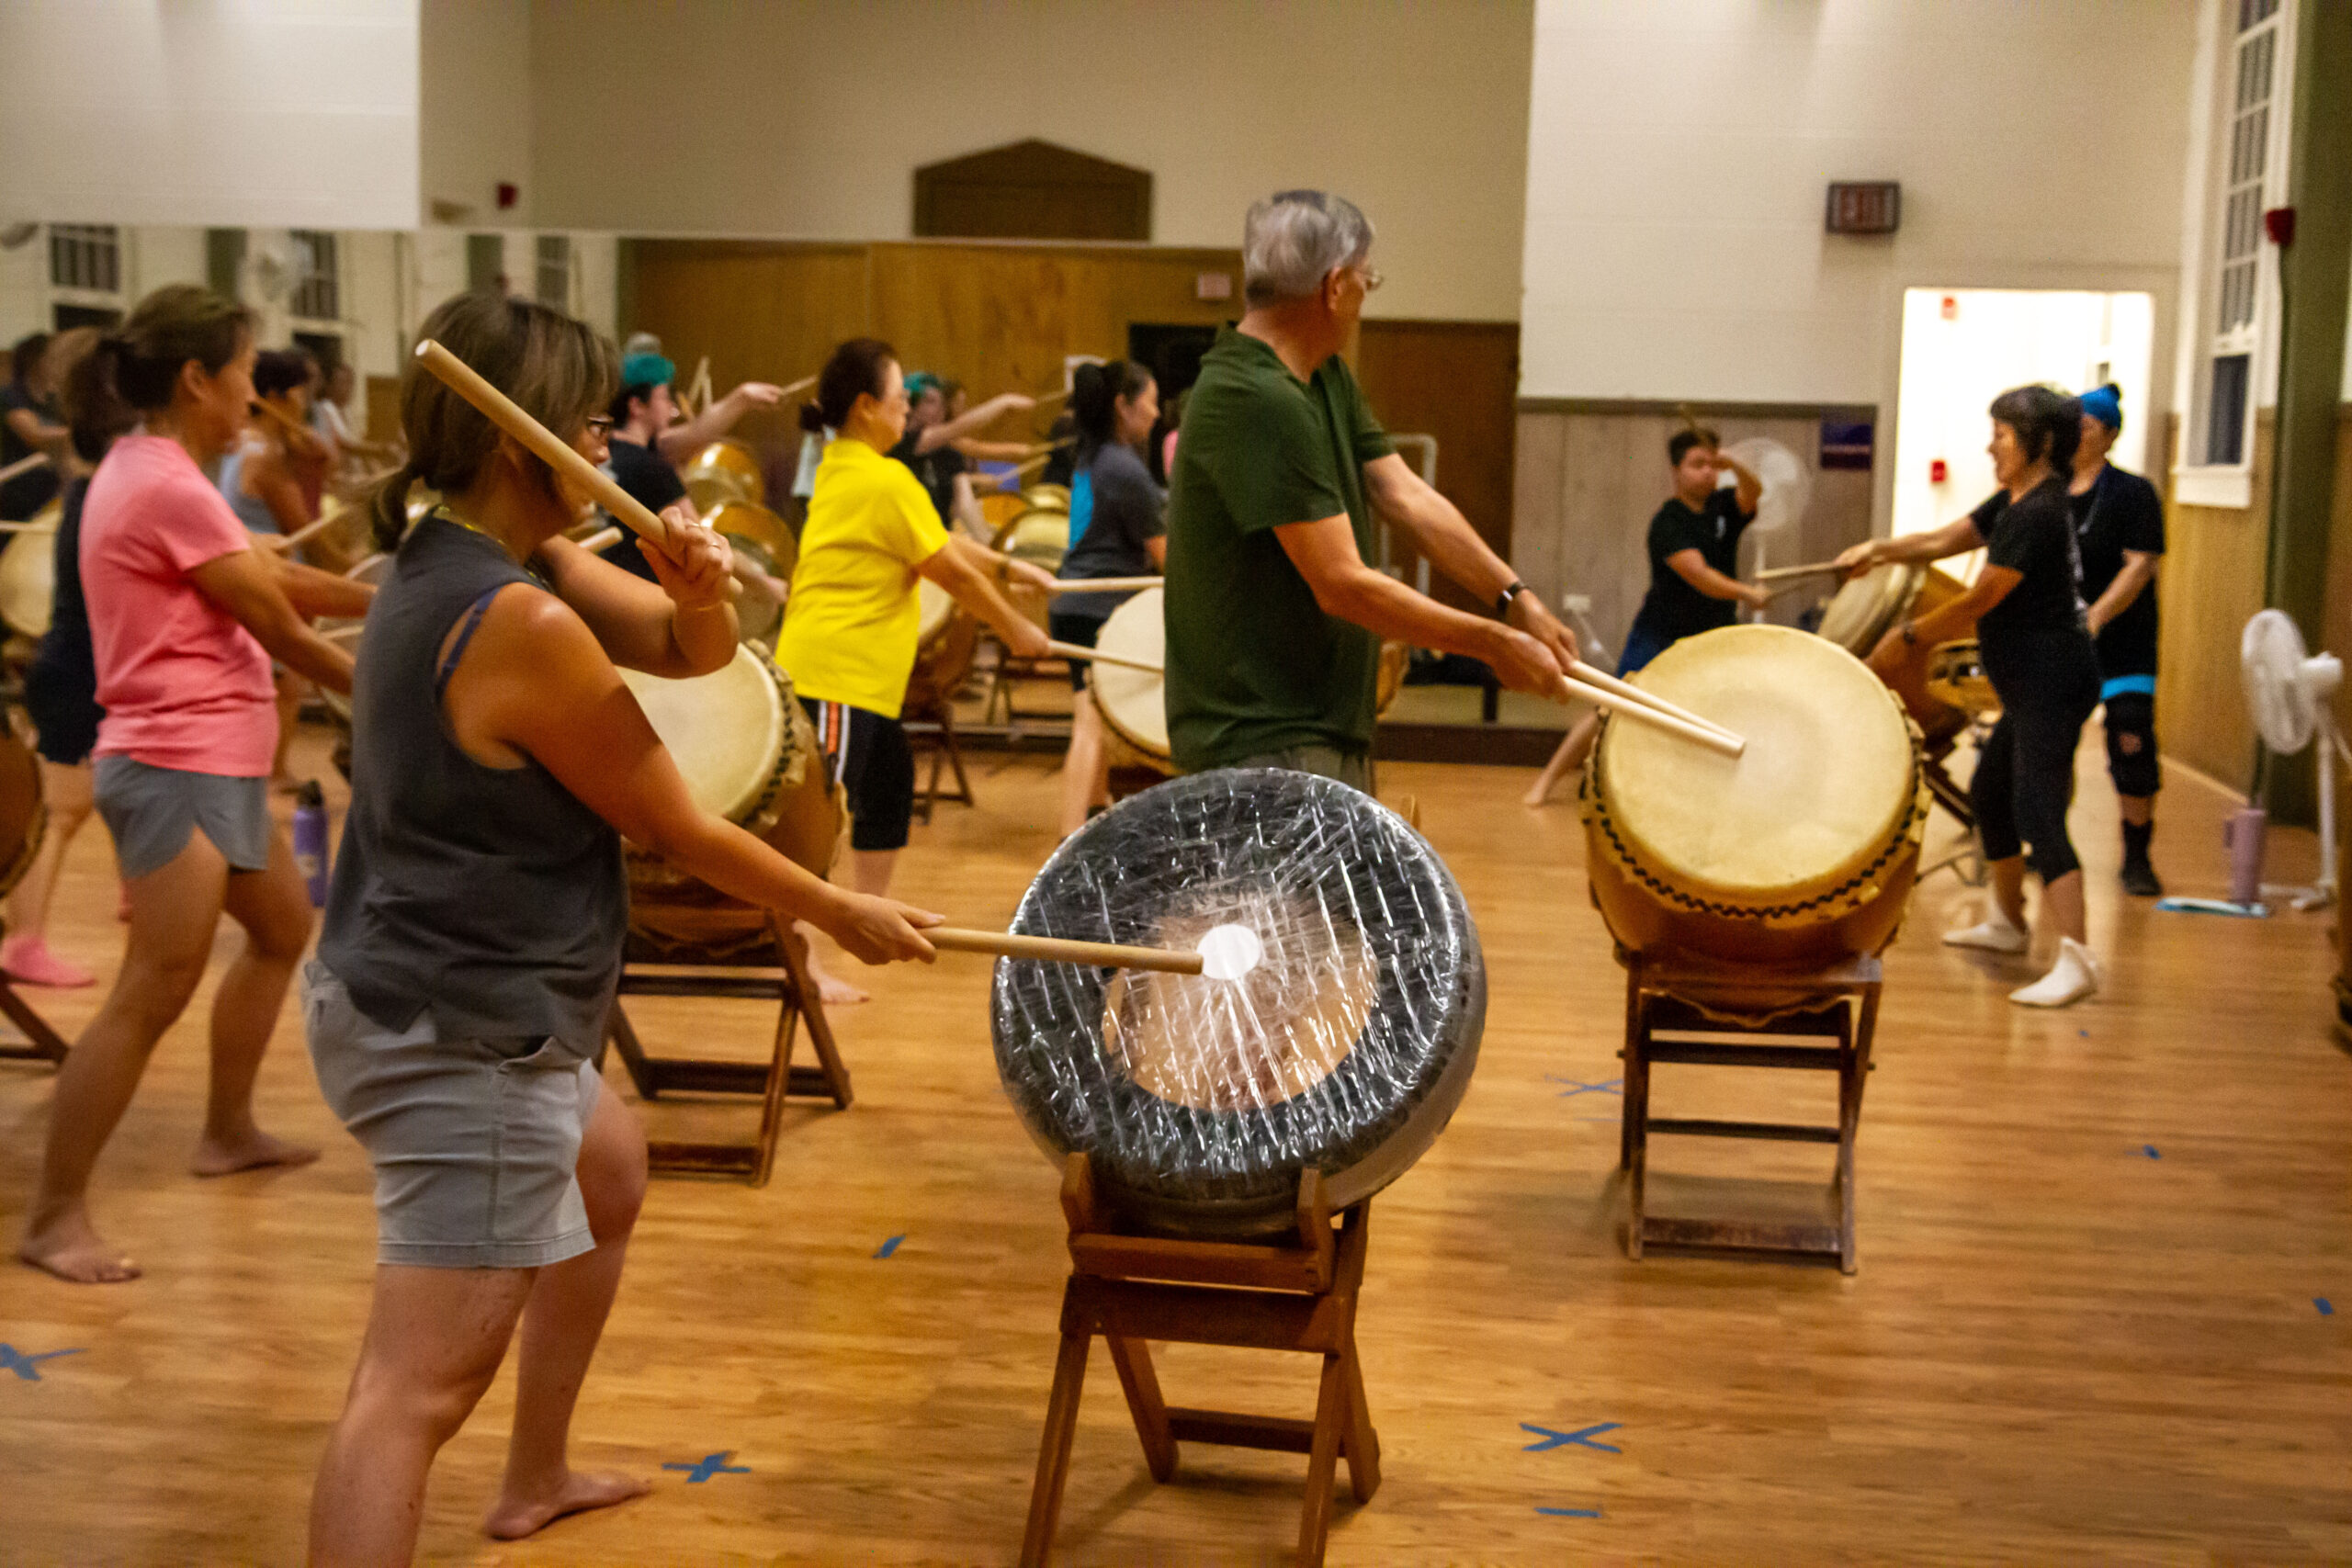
(473, 931)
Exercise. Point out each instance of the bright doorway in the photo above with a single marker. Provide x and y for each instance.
(1962, 347)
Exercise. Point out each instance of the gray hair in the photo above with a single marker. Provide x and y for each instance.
(1293, 240)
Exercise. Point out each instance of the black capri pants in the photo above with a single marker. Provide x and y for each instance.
(2025, 775)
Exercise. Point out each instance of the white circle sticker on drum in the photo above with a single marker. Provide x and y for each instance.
(1230, 952)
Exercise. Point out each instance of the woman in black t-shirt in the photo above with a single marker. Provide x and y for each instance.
(2027, 610)
(1114, 407)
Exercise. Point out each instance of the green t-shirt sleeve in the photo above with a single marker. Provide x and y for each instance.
(1279, 471)
(1369, 441)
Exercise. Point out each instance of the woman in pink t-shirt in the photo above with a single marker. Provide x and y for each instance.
(185, 615)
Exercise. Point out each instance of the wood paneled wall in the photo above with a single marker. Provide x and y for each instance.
(1591, 475)
(2215, 563)
(998, 317)
(2336, 634)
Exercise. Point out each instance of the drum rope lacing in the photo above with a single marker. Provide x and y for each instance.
(1847, 895)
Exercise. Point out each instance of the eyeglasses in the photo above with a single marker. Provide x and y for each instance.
(1372, 278)
(600, 425)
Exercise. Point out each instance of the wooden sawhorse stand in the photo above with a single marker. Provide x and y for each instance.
(1684, 1008)
(1281, 1295)
(746, 954)
(40, 1043)
(933, 730)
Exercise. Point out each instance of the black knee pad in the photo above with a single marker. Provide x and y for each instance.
(2132, 744)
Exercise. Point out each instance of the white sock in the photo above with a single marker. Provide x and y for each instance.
(2072, 977)
(1994, 934)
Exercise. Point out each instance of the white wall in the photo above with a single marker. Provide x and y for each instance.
(808, 121)
(474, 110)
(1680, 152)
(226, 112)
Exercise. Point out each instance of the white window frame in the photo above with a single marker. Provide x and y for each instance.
(335, 326)
(117, 299)
(567, 301)
(2196, 482)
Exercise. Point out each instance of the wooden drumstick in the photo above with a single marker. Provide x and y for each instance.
(1102, 954)
(306, 531)
(1730, 745)
(23, 466)
(548, 447)
(358, 566)
(1054, 397)
(597, 542)
(1590, 676)
(31, 525)
(800, 386)
(1102, 585)
(1072, 651)
(1815, 569)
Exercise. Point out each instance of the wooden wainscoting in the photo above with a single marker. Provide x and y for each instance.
(1591, 473)
(998, 317)
(2216, 559)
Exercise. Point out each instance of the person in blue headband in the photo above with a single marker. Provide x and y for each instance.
(2120, 528)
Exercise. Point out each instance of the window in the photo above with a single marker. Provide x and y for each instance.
(2225, 409)
(318, 282)
(486, 262)
(2246, 136)
(86, 256)
(555, 271)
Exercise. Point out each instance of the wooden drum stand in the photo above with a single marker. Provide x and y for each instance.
(726, 950)
(1286, 1294)
(1684, 1008)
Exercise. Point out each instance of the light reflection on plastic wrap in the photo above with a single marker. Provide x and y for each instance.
(1346, 1046)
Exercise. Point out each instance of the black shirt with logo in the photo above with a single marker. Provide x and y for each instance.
(1673, 609)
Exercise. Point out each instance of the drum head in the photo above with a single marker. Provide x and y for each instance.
(1133, 703)
(726, 730)
(1862, 610)
(725, 470)
(1039, 536)
(1202, 1100)
(1826, 784)
(28, 573)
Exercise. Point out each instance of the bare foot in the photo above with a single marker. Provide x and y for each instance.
(512, 1517)
(70, 1250)
(836, 992)
(256, 1149)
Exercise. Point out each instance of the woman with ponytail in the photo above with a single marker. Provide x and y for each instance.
(456, 1006)
(185, 616)
(854, 617)
(1122, 533)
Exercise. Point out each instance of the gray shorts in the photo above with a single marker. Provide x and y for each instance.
(151, 812)
(475, 1143)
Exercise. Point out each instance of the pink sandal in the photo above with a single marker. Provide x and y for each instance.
(29, 959)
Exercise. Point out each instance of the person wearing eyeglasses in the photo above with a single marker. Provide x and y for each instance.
(1274, 617)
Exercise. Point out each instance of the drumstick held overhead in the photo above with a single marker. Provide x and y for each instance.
(1580, 671)
(1730, 745)
(1104, 954)
(23, 466)
(550, 448)
(597, 542)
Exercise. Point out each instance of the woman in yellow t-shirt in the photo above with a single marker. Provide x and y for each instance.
(852, 619)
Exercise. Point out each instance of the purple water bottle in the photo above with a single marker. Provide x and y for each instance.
(311, 840)
(2243, 833)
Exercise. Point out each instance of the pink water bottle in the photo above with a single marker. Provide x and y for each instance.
(2242, 833)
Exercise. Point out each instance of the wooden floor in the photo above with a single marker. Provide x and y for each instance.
(2087, 1325)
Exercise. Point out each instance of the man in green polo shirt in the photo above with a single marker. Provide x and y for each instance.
(1274, 621)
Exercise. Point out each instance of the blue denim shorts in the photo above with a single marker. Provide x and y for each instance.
(476, 1142)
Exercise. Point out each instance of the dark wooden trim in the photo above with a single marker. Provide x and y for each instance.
(1494, 745)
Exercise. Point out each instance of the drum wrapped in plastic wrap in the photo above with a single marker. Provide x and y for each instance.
(1345, 1046)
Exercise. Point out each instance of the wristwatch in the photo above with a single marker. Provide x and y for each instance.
(1502, 599)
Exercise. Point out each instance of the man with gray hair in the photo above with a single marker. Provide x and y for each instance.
(1274, 621)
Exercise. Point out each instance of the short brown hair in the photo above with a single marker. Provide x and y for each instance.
(557, 369)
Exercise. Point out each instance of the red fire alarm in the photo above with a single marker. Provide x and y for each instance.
(1951, 309)
(1937, 470)
(2279, 224)
(507, 194)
